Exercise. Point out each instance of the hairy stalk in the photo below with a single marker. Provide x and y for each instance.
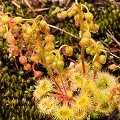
(46, 65)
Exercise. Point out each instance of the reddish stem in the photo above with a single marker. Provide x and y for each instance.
(57, 91)
(95, 73)
(82, 59)
(72, 60)
(16, 64)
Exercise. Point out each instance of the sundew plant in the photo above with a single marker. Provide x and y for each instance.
(70, 93)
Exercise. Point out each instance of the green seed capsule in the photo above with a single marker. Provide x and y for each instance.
(64, 14)
(89, 16)
(102, 59)
(88, 50)
(97, 66)
(92, 52)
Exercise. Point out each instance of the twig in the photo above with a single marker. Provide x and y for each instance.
(68, 3)
(108, 50)
(112, 36)
(111, 53)
(40, 9)
(15, 4)
(64, 31)
(27, 3)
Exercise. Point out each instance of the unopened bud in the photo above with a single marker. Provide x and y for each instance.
(84, 41)
(49, 38)
(5, 19)
(88, 16)
(14, 50)
(64, 14)
(23, 59)
(87, 34)
(59, 15)
(102, 59)
(35, 57)
(27, 66)
(11, 40)
(69, 51)
(97, 66)
(43, 23)
(113, 66)
(60, 63)
(16, 20)
(38, 74)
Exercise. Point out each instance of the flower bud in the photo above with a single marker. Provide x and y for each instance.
(54, 65)
(27, 66)
(89, 16)
(70, 14)
(84, 41)
(102, 59)
(25, 27)
(23, 59)
(101, 47)
(47, 28)
(60, 63)
(113, 66)
(35, 57)
(38, 74)
(77, 17)
(26, 36)
(93, 52)
(37, 50)
(14, 50)
(69, 51)
(49, 59)
(29, 31)
(49, 46)
(88, 50)
(64, 14)
(97, 66)
(3, 29)
(7, 34)
(43, 23)
(49, 38)
(96, 28)
(16, 20)
(91, 26)
(87, 34)
(75, 8)
(5, 19)
(59, 15)
(11, 40)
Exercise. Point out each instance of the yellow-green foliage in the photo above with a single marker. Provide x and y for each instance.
(85, 93)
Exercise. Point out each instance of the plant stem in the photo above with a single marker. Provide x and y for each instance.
(82, 49)
(46, 65)
(76, 1)
(95, 73)
(82, 59)
(62, 81)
